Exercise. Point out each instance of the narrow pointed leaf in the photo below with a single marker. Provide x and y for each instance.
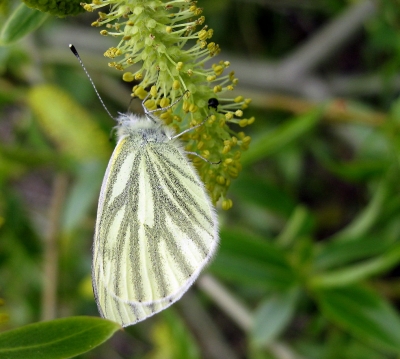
(22, 21)
(273, 315)
(280, 137)
(56, 339)
(363, 313)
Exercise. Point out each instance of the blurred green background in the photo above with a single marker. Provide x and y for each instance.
(308, 265)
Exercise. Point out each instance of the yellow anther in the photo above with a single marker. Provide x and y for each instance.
(243, 123)
(150, 104)
(246, 140)
(226, 149)
(211, 78)
(193, 108)
(211, 119)
(217, 88)
(176, 85)
(205, 153)
(128, 77)
(202, 34)
(202, 44)
(112, 52)
(221, 180)
(211, 46)
(227, 204)
(185, 106)
(88, 7)
(218, 70)
(164, 102)
(153, 91)
(233, 172)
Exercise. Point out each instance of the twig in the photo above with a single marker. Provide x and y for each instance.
(205, 330)
(230, 305)
(336, 110)
(326, 41)
(50, 259)
(239, 313)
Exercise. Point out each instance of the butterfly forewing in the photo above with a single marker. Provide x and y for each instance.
(155, 231)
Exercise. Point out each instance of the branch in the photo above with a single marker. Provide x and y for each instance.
(50, 260)
(328, 40)
(239, 313)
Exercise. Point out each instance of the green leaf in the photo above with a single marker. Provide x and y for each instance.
(367, 218)
(361, 170)
(339, 253)
(252, 261)
(172, 339)
(273, 315)
(363, 313)
(358, 271)
(299, 224)
(22, 21)
(70, 126)
(56, 339)
(258, 191)
(83, 193)
(280, 137)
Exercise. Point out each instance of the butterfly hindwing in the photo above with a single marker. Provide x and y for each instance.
(156, 228)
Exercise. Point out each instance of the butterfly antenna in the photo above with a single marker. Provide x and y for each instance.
(75, 52)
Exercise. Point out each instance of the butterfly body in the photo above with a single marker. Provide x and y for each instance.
(156, 228)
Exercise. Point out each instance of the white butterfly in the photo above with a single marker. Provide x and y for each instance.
(156, 228)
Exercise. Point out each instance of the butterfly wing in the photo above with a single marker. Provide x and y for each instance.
(156, 229)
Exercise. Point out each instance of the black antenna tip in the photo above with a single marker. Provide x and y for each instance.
(73, 49)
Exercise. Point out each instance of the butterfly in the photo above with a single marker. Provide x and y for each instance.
(156, 227)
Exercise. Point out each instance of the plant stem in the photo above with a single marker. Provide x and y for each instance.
(50, 260)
